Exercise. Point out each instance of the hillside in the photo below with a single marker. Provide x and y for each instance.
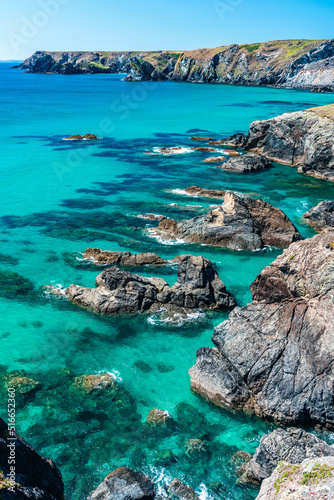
(287, 63)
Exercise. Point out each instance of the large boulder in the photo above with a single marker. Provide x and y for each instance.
(321, 217)
(107, 257)
(275, 357)
(292, 445)
(303, 139)
(239, 224)
(177, 489)
(124, 484)
(34, 477)
(313, 478)
(120, 292)
(250, 162)
(207, 193)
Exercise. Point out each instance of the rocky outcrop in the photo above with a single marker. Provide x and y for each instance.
(86, 137)
(177, 489)
(310, 479)
(121, 292)
(207, 193)
(158, 418)
(107, 257)
(321, 217)
(239, 224)
(292, 445)
(35, 477)
(215, 159)
(275, 357)
(303, 139)
(250, 162)
(285, 63)
(124, 484)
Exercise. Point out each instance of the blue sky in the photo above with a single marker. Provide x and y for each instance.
(29, 25)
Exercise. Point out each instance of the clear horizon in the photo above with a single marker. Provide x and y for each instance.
(70, 25)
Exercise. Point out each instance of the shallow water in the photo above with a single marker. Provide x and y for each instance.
(58, 198)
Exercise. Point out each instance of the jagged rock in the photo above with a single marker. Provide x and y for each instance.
(239, 224)
(106, 257)
(231, 152)
(99, 383)
(180, 490)
(292, 445)
(249, 162)
(246, 475)
(240, 457)
(121, 292)
(124, 484)
(215, 159)
(207, 193)
(235, 141)
(86, 137)
(35, 477)
(304, 139)
(275, 357)
(158, 418)
(310, 479)
(321, 217)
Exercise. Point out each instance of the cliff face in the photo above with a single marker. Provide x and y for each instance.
(288, 63)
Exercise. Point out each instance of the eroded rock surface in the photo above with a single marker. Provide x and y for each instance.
(120, 292)
(124, 484)
(321, 217)
(275, 357)
(107, 257)
(207, 193)
(250, 162)
(239, 224)
(177, 489)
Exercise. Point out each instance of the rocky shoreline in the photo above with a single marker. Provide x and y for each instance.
(287, 63)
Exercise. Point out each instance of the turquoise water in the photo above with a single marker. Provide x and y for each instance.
(59, 198)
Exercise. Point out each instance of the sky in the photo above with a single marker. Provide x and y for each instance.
(66, 25)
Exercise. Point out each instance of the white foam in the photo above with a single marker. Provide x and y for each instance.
(182, 192)
(153, 234)
(173, 151)
(175, 319)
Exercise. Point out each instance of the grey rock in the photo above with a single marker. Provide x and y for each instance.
(321, 217)
(121, 292)
(124, 484)
(250, 162)
(177, 489)
(275, 357)
(292, 445)
(238, 224)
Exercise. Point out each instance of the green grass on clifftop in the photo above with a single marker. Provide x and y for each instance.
(324, 111)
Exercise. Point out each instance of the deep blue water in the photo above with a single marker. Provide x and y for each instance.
(58, 198)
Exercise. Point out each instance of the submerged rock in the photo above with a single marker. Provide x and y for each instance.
(124, 484)
(36, 477)
(321, 217)
(207, 193)
(19, 381)
(309, 479)
(239, 224)
(181, 491)
(121, 292)
(158, 418)
(292, 445)
(89, 384)
(107, 257)
(275, 357)
(249, 162)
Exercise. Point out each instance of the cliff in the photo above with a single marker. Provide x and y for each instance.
(288, 63)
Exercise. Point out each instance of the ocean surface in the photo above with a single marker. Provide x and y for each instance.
(59, 198)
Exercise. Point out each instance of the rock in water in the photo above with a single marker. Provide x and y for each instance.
(275, 357)
(239, 224)
(107, 257)
(304, 139)
(310, 479)
(158, 418)
(250, 162)
(321, 217)
(124, 484)
(36, 477)
(120, 292)
(207, 193)
(178, 489)
(292, 445)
